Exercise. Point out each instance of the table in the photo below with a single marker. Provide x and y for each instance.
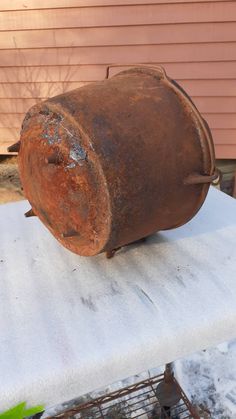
(71, 324)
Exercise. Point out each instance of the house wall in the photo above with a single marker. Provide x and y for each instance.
(49, 47)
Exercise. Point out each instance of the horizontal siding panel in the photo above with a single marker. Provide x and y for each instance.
(130, 35)
(119, 15)
(53, 73)
(200, 70)
(11, 120)
(178, 71)
(118, 54)
(47, 89)
(209, 87)
(15, 105)
(37, 90)
(44, 4)
(215, 104)
(218, 120)
(224, 136)
(205, 105)
(225, 151)
(9, 134)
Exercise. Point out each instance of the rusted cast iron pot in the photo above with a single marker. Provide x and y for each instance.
(116, 161)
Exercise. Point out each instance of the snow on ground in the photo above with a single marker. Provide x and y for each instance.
(209, 379)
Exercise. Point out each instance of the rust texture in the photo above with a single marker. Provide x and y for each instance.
(115, 161)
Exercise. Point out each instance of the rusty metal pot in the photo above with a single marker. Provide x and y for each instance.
(115, 161)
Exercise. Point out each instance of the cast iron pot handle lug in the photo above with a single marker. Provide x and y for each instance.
(196, 178)
(158, 68)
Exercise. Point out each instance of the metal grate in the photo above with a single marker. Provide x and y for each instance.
(135, 401)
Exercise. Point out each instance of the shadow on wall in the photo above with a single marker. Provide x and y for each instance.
(26, 85)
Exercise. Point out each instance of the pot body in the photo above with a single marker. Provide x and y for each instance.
(115, 161)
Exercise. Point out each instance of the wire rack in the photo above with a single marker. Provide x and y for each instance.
(138, 400)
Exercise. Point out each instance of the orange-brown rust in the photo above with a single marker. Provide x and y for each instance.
(106, 164)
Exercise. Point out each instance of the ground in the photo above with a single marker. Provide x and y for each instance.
(10, 187)
(209, 379)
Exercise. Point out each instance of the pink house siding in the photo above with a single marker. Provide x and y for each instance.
(48, 47)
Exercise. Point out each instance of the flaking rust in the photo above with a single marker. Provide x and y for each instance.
(115, 161)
